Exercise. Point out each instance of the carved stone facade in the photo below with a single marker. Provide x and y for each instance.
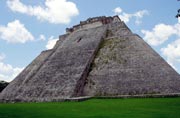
(93, 22)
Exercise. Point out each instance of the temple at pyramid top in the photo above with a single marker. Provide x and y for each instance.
(93, 22)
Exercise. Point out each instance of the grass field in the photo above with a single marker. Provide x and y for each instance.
(96, 108)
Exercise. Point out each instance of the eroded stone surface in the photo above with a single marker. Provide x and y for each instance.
(100, 60)
(128, 66)
(59, 76)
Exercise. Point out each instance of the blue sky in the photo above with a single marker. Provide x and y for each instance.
(28, 27)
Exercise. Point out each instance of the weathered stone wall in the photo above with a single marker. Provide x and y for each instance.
(93, 22)
(92, 25)
(63, 73)
(14, 89)
(86, 26)
(60, 41)
(99, 60)
(118, 29)
(126, 65)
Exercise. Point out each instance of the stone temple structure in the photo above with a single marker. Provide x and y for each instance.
(98, 57)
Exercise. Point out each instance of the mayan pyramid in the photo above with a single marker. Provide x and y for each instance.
(98, 57)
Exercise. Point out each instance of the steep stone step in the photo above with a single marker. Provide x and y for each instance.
(28, 73)
(62, 74)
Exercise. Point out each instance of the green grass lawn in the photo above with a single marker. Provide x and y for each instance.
(96, 108)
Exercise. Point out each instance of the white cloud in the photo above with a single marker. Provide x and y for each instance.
(2, 56)
(15, 32)
(126, 16)
(139, 15)
(42, 37)
(7, 71)
(172, 52)
(51, 42)
(161, 33)
(53, 11)
(117, 10)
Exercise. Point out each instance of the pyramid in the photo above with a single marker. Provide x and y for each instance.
(98, 57)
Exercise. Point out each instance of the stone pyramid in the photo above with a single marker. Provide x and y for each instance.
(98, 57)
